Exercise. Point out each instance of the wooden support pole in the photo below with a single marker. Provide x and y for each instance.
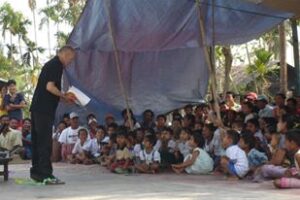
(211, 67)
(283, 66)
(296, 54)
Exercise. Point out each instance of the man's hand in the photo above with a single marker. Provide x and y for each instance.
(55, 91)
(69, 98)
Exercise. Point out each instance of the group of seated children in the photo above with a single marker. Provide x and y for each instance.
(207, 149)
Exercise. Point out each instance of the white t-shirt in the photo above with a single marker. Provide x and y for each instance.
(69, 136)
(153, 156)
(248, 117)
(184, 148)
(260, 136)
(78, 148)
(95, 147)
(202, 165)
(239, 158)
(157, 145)
(214, 147)
(171, 146)
(266, 112)
(137, 149)
(105, 139)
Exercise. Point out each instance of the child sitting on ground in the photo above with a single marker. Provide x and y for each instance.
(212, 142)
(280, 160)
(56, 146)
(149, 157)
(291, 178)
(182, 147)
(199, 162)
(81, 153)
(139, 136)
(255, 158)
(235, 163)
(167, 149)
(252, 126)
(108, 151)
(98, 142)
(122, 161)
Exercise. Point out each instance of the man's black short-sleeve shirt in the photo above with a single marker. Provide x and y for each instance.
(44, 101)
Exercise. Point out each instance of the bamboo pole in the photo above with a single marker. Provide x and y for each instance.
(118, 65)
(209, 63)
(283, 66)
(296, 54)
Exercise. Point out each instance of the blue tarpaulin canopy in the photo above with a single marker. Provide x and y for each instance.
(162, 64)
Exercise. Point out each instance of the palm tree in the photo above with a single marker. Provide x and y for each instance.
(6, 18)
(32, 6)
(47, 13)
(261, 69)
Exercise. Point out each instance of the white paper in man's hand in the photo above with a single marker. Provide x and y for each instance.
(81, 98)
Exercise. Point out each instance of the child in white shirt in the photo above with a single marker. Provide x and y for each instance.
(149, 157)
(213, 142)
(235, 163)
(138, 147)
(67, 139)
(199, 162)
(82, 150)
(100, 140)
(182, 145)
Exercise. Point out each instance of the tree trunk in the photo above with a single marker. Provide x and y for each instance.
(20, 47)
(35, 37)
(226, 50)
(296, 55)
(48, 33)
(283, 66)
(249, 63)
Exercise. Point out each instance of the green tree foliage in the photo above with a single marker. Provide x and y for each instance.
(62, 11)
(261, 70)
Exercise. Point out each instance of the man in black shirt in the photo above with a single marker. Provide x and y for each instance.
(44, 103)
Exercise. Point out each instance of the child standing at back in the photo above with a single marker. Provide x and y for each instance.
(149, 157)
(199, 162)
(291, 178)
(235, 163)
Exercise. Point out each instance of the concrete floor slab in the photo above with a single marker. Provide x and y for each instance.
(96, 183)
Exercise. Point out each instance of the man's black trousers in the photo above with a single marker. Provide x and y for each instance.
(41, 135)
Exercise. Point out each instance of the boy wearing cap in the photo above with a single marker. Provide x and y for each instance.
(69, 136)
(93, 126)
